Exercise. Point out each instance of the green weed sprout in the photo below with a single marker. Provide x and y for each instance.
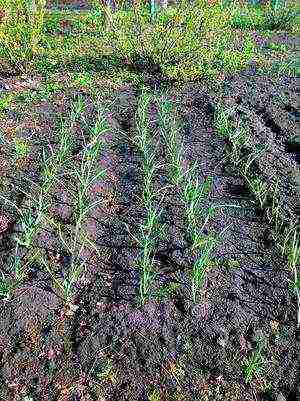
(4, 286)
(201, 263)
(18, 269)
(223, 125)
(5, 100)
(259, 188)
(291, 248)
(154, 396)
(253, 364)
(21, 148)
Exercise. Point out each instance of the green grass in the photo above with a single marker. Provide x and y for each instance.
(254, 363)
(188, 42)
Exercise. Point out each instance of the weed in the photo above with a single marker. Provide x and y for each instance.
(166, 290)
(4, 286)
(253, 364)
(17, 270)
(259, 188)
(29, 226)
(238, 138)
(84, 79)
(274, 17)
(291, 249)
(104, 371)
(5, 100)
(168, 37)
(21, 148)
(154, 396)
(273, 213)
(280, 47)
(222, 123)
(233, 263)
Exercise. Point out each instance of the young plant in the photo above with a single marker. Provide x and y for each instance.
(4, 286)
(259, 188)
(147, 261)
(239, 137)
(200, 265)
(21, 148)
(273, 213)
(222, 122)
(17, 273)
(260, 149)
(32, 219)
(166, 290)
(84, 177)
(29, 222)
(106, 372)
(29, 225)
(5, 100)
(154, 396)
(58, 159)
(254, 363)
(169, 133)
(291, 249)
(193, 194)
(150, 230)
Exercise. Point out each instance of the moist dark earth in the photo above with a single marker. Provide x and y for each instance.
(185, 351)
(108, 348)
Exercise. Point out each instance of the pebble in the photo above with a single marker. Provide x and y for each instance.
(3, 87)
(280, 397)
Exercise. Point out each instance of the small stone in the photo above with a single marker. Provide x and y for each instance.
(280, 397)
(3, 87)
(72, 309)
(222, 341)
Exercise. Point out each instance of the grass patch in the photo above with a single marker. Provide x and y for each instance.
(187, 42)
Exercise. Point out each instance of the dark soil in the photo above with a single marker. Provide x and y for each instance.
(108, 348)
(185, 351)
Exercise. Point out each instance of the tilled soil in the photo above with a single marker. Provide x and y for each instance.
(110, 349)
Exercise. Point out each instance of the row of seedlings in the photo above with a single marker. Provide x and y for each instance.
(151, 230)
(286, 235)
(193, 194)
(33, 218)
(81, 178)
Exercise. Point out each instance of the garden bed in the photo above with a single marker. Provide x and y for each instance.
(102, 343)
(149, 231)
